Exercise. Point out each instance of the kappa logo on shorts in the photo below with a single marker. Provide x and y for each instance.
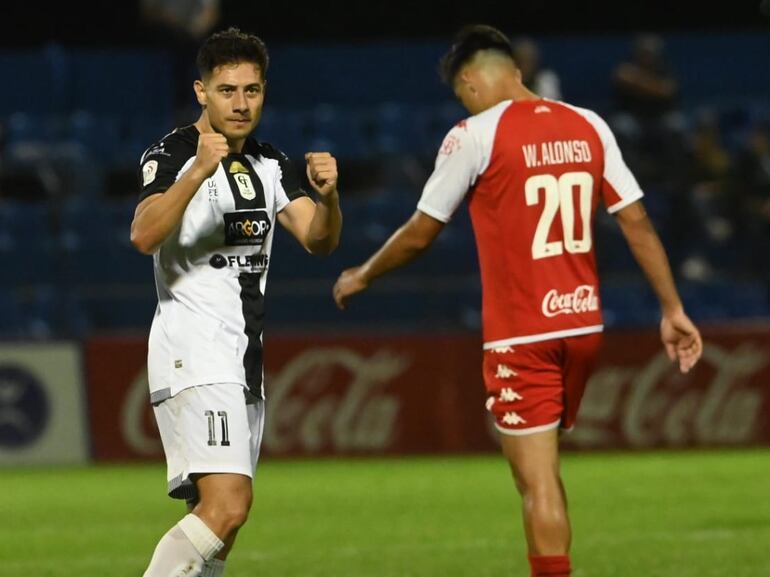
(246, 227)
(508, 395)
(503, 350)
(505, 372)
(513, 418)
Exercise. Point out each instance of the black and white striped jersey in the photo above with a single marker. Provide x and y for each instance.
(211, 272)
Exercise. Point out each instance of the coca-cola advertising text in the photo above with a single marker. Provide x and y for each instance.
(358, 394)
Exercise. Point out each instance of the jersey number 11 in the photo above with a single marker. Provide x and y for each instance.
(213, 431)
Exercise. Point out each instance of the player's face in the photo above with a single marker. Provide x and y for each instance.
(233, 96)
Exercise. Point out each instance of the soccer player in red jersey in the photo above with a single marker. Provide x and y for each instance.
(533, 172)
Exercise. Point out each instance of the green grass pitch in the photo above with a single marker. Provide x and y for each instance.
(672, 514)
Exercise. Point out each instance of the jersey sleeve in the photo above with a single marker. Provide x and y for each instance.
(160, 165)
(619, 187)
(289, 186)
(459, 162)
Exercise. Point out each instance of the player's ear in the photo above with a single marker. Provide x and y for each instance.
(200, 92)
(464, 79)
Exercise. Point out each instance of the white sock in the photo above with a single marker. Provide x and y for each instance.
(213, 568)
(183, 551)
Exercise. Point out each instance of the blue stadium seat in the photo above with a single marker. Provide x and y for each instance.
(121, 313)
(285, 129)
(100, 135)
(28, 244)
(437, 121)
(25, 127)
(628, 303)
(39, 72)
(11, 317)
(340, 131)
(121, 82)
(96, 239)
(141, 131)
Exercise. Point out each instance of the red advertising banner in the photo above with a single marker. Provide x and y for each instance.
(359, 394)
(636, 398)
(122, 424)
(386, 395)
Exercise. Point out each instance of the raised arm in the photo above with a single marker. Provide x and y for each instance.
(158, 215)
(316, 226)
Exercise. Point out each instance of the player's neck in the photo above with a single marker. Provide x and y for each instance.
(521, 93)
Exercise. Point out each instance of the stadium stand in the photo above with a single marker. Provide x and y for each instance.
(67, 185)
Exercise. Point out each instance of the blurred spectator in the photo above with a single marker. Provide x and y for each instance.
(541, 81)
(752, 179)
(189, 19)
(712, 221)
(645, 87)
(179, 26)
(648, 119)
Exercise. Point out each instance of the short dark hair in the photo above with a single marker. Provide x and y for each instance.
(230, 47)
(469, 40)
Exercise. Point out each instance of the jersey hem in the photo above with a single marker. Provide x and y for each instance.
(431, 212)
(163, 393)
(623, 203)
(526, 339)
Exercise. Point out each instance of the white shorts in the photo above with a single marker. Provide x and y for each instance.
(209, 429)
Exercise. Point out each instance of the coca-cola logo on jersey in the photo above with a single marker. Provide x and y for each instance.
(582, 300)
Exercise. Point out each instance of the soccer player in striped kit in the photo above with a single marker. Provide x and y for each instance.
(533, 172)
(210, 199)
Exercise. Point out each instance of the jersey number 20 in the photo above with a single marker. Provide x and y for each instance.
(558, 197)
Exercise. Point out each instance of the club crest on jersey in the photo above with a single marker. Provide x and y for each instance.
(245, 186)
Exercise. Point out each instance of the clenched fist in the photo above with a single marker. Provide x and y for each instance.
(212, 148)
(322, 172)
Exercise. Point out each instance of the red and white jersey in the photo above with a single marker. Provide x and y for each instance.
(534, 172)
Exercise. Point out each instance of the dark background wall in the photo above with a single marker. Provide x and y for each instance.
(112, 23)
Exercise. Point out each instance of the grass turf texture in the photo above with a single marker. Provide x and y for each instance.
(677, 514)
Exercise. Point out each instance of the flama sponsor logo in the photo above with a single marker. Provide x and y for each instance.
(582, 300)
(253, 262)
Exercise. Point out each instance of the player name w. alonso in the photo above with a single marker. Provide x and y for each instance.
(582, 300)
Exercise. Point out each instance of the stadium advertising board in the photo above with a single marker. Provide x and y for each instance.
(423, 394)
(636, 398)
(122, 424)
(42, 405)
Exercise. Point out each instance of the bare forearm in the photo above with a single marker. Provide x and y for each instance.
(154, 223)
(401, 248)
(651, 256)
(325, 227)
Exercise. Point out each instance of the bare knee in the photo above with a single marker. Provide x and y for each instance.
(225, 514)
(224, 504)
(235, 515)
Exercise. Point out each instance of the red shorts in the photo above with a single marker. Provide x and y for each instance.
(538, 386)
